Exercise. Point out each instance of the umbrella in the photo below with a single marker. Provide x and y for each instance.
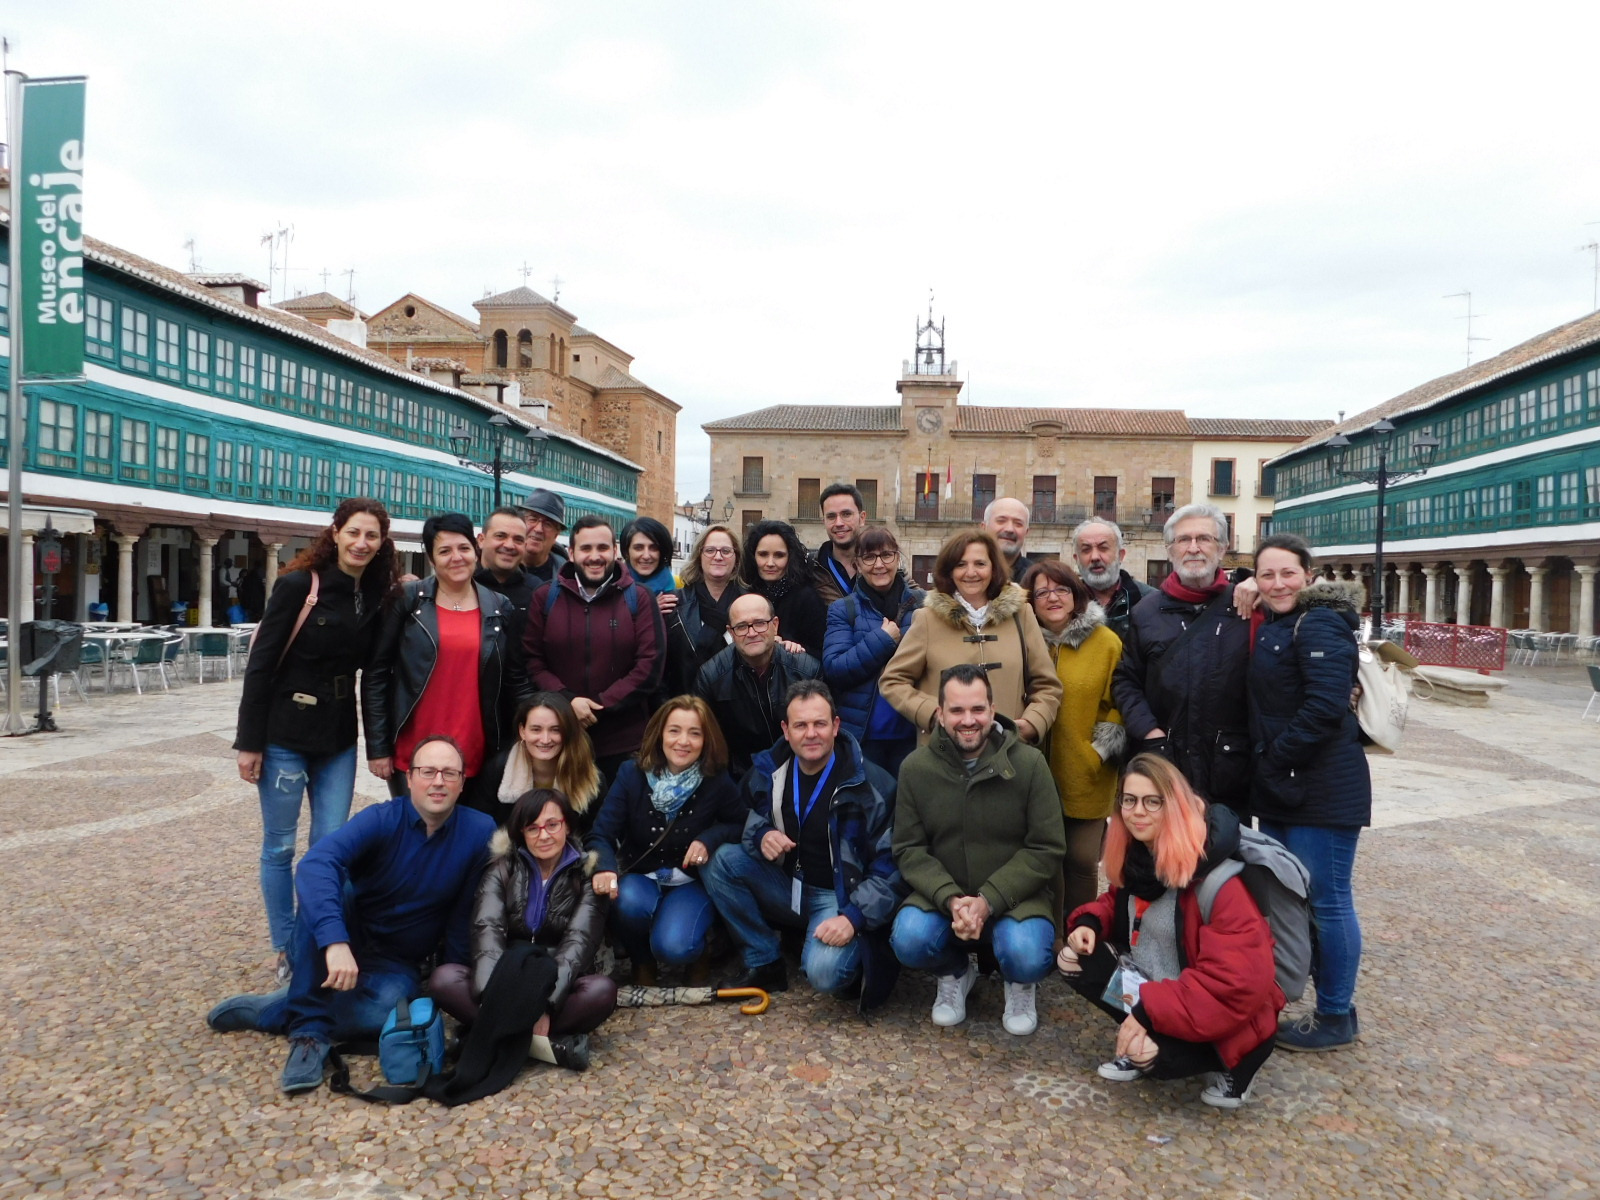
(755, 1000)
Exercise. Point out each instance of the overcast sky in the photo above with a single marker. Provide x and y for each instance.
(1233, 210)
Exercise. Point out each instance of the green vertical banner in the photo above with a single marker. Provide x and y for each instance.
(47, 192)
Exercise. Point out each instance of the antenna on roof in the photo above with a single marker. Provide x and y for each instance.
(1470, 317)
(194, 261)
(1595, 248)
(350, 293)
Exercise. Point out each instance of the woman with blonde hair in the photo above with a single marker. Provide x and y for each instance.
(1193, 996)
(697, 623)
(551, 751)
(974, 614)
(661, 822)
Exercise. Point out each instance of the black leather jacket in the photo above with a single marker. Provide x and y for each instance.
(574, 917)
(750, 711)
(403, 661)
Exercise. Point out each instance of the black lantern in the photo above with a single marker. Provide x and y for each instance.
(499, 465)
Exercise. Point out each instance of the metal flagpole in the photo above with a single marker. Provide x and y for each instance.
(14, 425)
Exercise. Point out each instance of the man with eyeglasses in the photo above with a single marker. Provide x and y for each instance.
(1181, 683)
(546, 515)
(844, 516)
(746, 682)
(378, 898)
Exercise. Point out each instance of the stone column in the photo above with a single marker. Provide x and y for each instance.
(27, 578)
(208, 547)
(1585, 598)
(1497, 597)
(1403, 596)
(1430, 603)
(1536, 597)
(1464, 594)
(271, 571)
(125, 544)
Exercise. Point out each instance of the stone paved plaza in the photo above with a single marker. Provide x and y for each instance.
(128, 849)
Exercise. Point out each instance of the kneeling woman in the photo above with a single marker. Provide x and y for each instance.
(536, 889)
(551, 751)
(660, 824)
(1188, 1004)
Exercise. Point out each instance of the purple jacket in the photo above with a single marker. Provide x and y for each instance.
(608, 649)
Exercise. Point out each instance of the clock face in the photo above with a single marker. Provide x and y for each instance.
(929, 420)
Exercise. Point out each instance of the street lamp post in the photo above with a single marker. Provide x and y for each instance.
(1423, 447)
(461, 440)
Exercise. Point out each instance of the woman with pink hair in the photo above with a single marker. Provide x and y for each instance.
(1192, 996)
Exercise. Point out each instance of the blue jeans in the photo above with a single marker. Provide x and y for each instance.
(754, 895)
(924, 941)
(286, 776)
(660, 924)
(1329, 853)
(308, 1009)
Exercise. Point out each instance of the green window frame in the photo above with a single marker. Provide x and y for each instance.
(288, 384)
(363, 482)
(265, 465)
(135, 340)
(197, 358)
(222, 470)
(247, 372)
(166, 456)
(97, 444)
(269, 377)
(285, 476)
(197, 461)
(341, 481)
(5, 295)
(308, 391)
(224, 366)
(169, 347)
(245, 475)
(328, 404)
(133, 455)
(303, 478)
(324, 483)
(56, 438)
(99, 327)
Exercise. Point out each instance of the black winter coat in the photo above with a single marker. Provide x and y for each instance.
(802, 616)
(1196, 692)
(1123, 601)
(750, 711)
(693, 639)
(335, 642)
(574, 917)
(518, 591)
(1310, 768)
(626, 833)
(403, 661)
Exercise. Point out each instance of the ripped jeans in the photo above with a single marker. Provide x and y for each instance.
(287, 776)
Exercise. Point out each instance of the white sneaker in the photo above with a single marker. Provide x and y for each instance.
(950, 1003)
(1021, 1017)
(1120, 1070)
(1222, 1091)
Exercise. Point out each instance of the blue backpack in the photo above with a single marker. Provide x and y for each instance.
(1281, 887)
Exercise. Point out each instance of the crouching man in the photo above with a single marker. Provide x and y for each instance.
(816, 855)
(979, 839)
(376, 899)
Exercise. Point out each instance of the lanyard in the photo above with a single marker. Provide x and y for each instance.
(816, 792)
(838, 573)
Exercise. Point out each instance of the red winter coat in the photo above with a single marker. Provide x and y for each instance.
(1227, 993)
(601, 650)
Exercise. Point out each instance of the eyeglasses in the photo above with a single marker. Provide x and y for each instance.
(718, 551)
(1196, 539)
(1148, 803)
(885, 557)
(548, 826)
(429, 774)
(1046, 593)
(744, 627)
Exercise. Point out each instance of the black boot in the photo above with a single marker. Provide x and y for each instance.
(572, 1051)
(769, 977)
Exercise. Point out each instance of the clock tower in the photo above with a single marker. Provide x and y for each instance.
(928, 385)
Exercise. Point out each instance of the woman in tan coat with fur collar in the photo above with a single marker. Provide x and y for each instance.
(974, 614)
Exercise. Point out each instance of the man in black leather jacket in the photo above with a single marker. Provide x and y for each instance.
(746, 682)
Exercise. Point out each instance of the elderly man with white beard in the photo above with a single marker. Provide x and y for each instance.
(1181, 683)
(1098, 551)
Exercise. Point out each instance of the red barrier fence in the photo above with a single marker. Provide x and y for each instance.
(1470, 647)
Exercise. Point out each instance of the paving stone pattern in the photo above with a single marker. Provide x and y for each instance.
(130, 905)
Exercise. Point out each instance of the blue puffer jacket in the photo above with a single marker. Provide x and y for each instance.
(866, 881)
(857, 649)
(1309, 765)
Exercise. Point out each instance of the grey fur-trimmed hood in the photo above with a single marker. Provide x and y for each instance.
(1344, 594)
(1078, 629)
(1002, 608)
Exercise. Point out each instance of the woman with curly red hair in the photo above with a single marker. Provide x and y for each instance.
(1193, 996)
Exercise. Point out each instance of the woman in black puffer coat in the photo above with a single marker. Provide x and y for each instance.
(1311, 788)
(536, 889)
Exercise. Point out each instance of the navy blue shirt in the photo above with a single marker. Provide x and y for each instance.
(409, 889)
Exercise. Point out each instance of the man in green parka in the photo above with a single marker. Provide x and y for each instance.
(978, 837)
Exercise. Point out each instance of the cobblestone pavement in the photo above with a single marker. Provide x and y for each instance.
(130, 905)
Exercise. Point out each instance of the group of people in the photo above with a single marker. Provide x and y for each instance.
(582, 748)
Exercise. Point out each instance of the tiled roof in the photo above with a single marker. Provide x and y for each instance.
(226, 279)
(1228, 427)
(517, 297)
(1156, 422)
(392, 317)
(613, 378)
(314, 301)
(818, 418)
(1563, 339)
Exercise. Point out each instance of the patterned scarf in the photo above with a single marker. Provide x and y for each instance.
(668, 792)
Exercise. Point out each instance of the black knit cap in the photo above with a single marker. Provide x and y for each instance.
(446, 523)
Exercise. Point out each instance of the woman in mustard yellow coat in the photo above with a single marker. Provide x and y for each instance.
(1087, 741)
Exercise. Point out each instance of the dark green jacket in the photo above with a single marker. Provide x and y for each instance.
(997, 833)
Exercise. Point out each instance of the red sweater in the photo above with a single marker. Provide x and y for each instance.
(1227, 993)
